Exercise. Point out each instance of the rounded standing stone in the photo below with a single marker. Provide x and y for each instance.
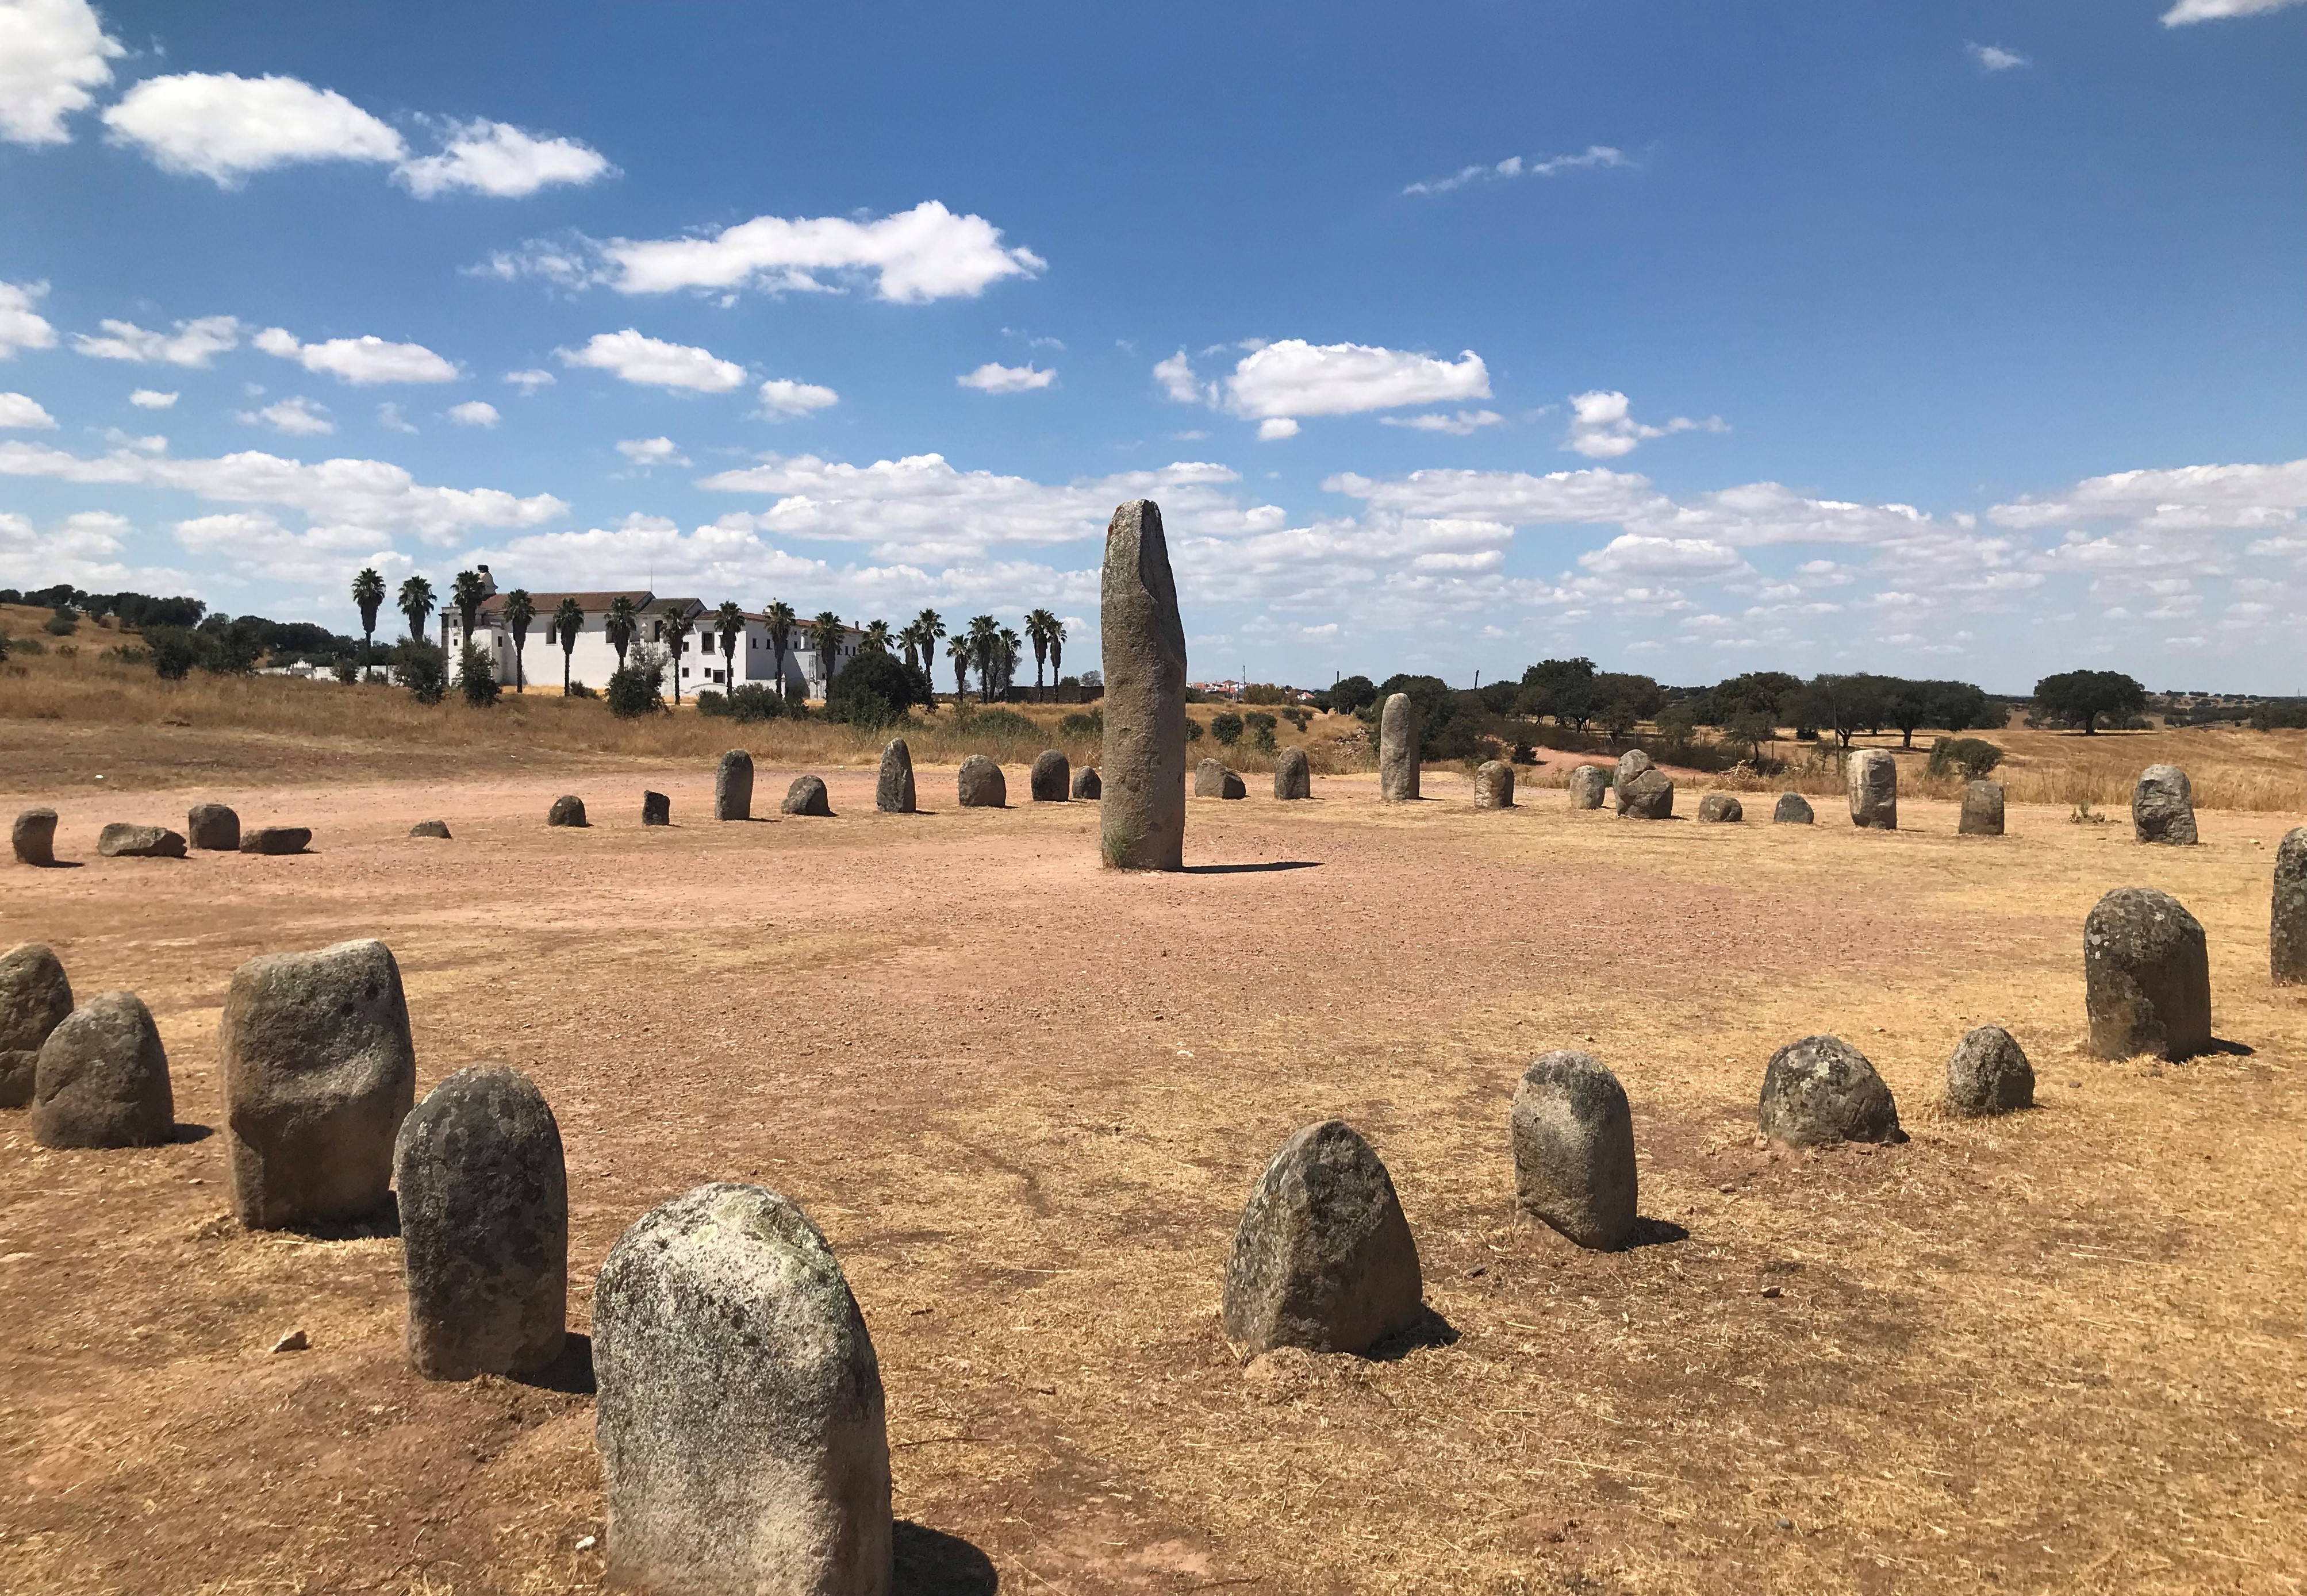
(1142, 820)
(1821, 1089)
(33, 837)
(484, 1226)
(103, 1078)
(807, 796)
(2162, 806)
(1322, 1257)
(212, 827)
(980, 784)
(1494, 785)
(1719, 808)
(277, 840)
(1087, 787)
(1589, 784)
(1648, 796)
(656, 808)
(318, 1071)
(431, 828)
(1293, 776)
(35, 998)
(1051, 781)
(122, 841)
(740, 1417)
(1873, 776)
(893, 789)
(1982, 809)
(568, 809)
(2146, 976)
(1632, 764)
(1793, 809)
(1397, 750)
(2287, 942)
(1573, 1150)
(1988, 1073)
(732, 787)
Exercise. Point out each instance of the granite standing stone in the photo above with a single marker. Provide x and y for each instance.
(1324, 1258)
(1793, 809)
(431, 828)
(1294, 777)
(1982, 809)
(1719, 808)
(1988, 1073)
(732, 787)
(1210, 779)
(318, 1071)
(122, 841)
(1051, 781)
(1821, 1089)
(1633, 762)
(484, 1226)
(1589, 784)
(980, 784)
(1494, 785)
(1087, 787)
(568, 809)
(2162, 806)
(1142, 822)
(1873, 776)
(34, 1000)
(807, 796)
(1573, 1150)
(2286, 941)
(656, 808)
(213, 828)
(103, 1078)
(2146, 976)
(893, 789)
(1648, 796)
(34, 836)
(277, 839)
(1397, 750)
(740, 1415)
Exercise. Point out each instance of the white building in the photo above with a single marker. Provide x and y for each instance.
(592, 659)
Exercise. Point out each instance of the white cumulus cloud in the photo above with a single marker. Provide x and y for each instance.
(1515, 165)
(52, 54)
(652, 451)
(1275, 384)
(1602, 427)
(783, 396)
(84, 549)
(529, 382)
(501, 160)
(193, 343)
(2185, 498)
(151, 398)
(994, 378)
(23, 411)
(20, 326)
(2213, 11)
(475, 412)
(1461, 424)
(655, 363)
(296, 417)
(1994, 58)
(1275, 427)
(223, 127)
(389, 417)
(362, 361)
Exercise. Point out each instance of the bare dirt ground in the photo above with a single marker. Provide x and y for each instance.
(1025, 1099)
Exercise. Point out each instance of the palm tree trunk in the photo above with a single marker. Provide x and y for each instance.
(519, 664)
(568, 653)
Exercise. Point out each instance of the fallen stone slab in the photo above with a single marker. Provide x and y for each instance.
(122, 841)
(277, 840)
(431, 828)
(1719, 808)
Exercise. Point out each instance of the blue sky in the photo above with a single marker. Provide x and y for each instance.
(1963, 340)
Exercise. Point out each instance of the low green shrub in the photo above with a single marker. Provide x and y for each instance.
(1973, 758)
(752, 701)
(636, 691)
(994, 722)
(1226, 726)
(423, 669)
(876, 689)
(578, 689)
(1083, 729)
(477, 677)
(173, 651)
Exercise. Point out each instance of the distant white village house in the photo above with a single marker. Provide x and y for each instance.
(592, 661)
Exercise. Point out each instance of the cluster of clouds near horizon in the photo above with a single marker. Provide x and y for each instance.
(1594, 557)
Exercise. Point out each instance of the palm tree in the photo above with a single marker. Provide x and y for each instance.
(1057, 647)
(909, 636)
(677, 628)
(876, 638)
(1010, 657)
(779, 619)
(1044, 629)
(520, 609)
(985, 648)
(623, 619)
(959, 652)
(568, 620)
(729, 620)
(468, 592)
(415, 602)
(368, 593)
(931, 626)
(825, 634)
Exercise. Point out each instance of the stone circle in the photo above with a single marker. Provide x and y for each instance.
(1494, 785)
(980, 784)
(1573, 1150)
(2146, 976)
(807, 796)
(102, 1079)
(484, 1225)
(732, 787)
(1398, 733)
(1872, 775)
(122, 841)
(1589, 784)
(212, 827)
(2287, 940)
(1793, 809)
(1322, 1257)
(1982, 809)
(1293, 776)
(1142, 818)
(1719, 808)
(1821, 1089)
(33, 837)
(2162, 806)
(568, 809)
(35, 998)
(1988, 1073)
(1052, 777)
(276, 839)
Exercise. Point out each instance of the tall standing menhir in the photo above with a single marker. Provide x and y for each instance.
(1143, 814)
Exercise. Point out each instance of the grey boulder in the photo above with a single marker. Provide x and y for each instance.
(2286, 941)
(1649, 795)
(318, 1071)
(277, 840)
(1988, 1073)
(1322, 1257)
(1052, 780)
(1087, 787)
(1573, 1150)
(1589, 784)
(893, 789)
(1792, 809)
(1398, 734)
(438, 829)
(1719, 808)
(212, 827)
(33, 837)
(1872, 777)
(35, 999)
(2162, 805)
(807, 796)
(1821, 1089)
(1294, 777)
(103, 1078)
(121, 840)
(1494, 784)
(740, 1417)
(1212, 780)
(656, 808)
(980, 785)
(2146, 976)
(484, 1227)
(732, 787)
(1982, 809)
(568, 809)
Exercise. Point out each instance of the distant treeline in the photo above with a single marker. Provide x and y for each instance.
(223, 643)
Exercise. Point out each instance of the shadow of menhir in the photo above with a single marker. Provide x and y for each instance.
(1251, 869)
(571, 1373)
(1429, 1329)
(932, 1562)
